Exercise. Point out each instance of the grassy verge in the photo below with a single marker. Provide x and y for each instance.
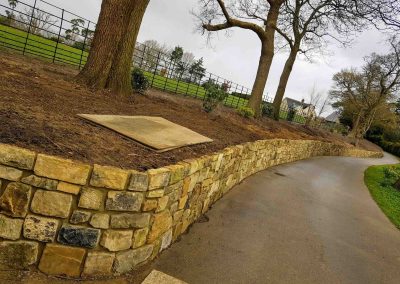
(386, 196)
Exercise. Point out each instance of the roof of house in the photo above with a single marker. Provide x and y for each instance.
(333, 117)
(294, 103)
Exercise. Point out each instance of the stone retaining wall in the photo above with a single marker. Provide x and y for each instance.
(80, 220)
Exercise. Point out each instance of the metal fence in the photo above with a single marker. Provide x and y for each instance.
(40, 28)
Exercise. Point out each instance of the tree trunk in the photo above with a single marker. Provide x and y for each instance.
(119, 79)
(105, 43)
(110, 58)
(356, 126)
(283, 81)
(267, 55)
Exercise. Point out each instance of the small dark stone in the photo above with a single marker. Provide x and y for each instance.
(79, 217)
(79, 236)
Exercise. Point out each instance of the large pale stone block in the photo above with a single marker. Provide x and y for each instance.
(17, 157)
(91, 199)
(162, 223)
(124, 201)
(62, 169)
(127, 221)
(98, 264)
(50, 203)
(176, 173)
(158, 178)
(15, 199)
(139, 181)
(155, 193)
(128, 260)
(9, 173)
(114, 240)
(62, 260)
(40, 228)
(18, 255)
(10, 228)
(109, 177)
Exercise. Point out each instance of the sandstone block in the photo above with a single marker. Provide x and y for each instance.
(109, 177)
(150, 204)
(40, 229)
(162, 223)
(91, 198)
(100, 221)
(69, 188)
(128, 260)
(9, 173)
(78, 236)
(40, 182)
(176, 174)
(116, 240)
(10, 228)
(155, 193)
(15, 199)
(124, 201)
(126, 221)
(158, 178)
(16, 157)
(18, 255)
(182, 202)
(62, 260)
(166, 240)
(50, 203)
(162, 203)
(139, 181)
(98, 263)
(79, 217)
(140, 237)
(62, 169)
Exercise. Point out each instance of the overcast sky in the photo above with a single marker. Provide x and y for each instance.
(236, 57)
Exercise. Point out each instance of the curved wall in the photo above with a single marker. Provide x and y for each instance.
(80, 220)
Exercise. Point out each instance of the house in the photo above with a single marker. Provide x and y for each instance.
(301, 108)
(333, 117)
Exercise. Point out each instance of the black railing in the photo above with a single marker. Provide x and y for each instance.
(43, 29)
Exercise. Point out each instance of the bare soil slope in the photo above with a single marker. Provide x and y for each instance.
(39, 102)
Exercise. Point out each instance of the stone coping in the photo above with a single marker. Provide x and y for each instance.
(69, 218)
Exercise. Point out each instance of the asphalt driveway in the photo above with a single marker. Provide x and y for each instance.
(311, 221)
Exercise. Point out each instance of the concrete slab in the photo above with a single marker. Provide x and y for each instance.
(157, 277)
(155, 132)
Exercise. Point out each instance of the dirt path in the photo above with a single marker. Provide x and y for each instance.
(282, 226)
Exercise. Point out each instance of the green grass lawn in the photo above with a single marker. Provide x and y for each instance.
(37, 45)
(386, 196)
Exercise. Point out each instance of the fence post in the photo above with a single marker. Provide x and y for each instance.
(141, 62)
(190, 82)
(59, 34)
(166, 79)
(29, 28)
(156, 68)
(84, 44)
(198, 87)
(238, 98)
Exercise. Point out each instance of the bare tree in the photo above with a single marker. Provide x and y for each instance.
(365, 93)
(36, 20)
(307, 27)
(260, 17)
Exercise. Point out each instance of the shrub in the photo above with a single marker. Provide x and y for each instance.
(391, 174)
(267, 109)
(139, 81)
(245, 112)
(214, 96)
(291, 114)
